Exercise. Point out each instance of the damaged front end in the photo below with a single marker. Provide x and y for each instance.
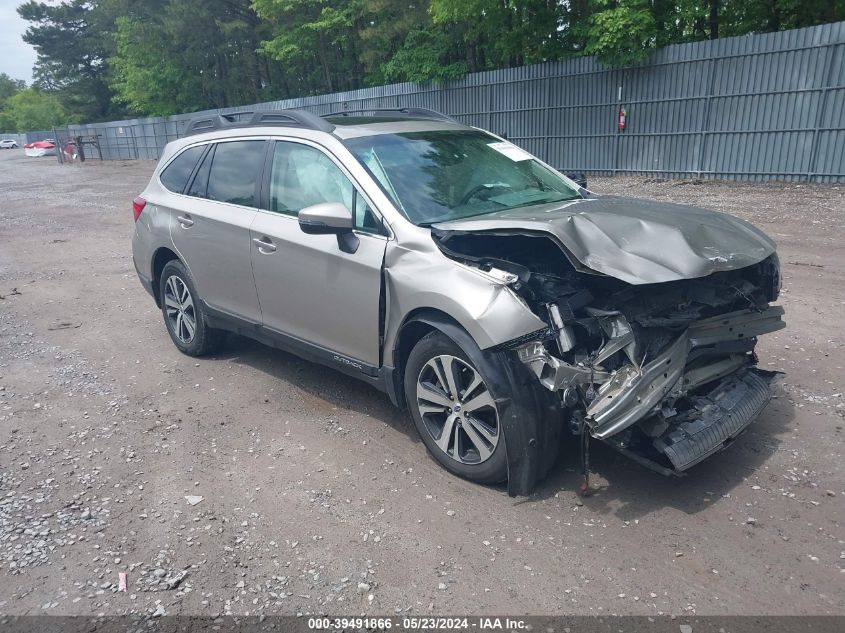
(664, 372)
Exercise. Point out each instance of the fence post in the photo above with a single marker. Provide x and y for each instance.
(617, 138)
(702, 135)
(134, 142)
(547, 141)
(490, 107)
(812, 166)
(59, 157)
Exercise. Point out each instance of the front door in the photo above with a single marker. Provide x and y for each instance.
(307, 286)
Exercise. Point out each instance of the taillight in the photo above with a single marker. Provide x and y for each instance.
(138, 205)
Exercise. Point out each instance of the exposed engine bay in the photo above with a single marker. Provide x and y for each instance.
(664, 372)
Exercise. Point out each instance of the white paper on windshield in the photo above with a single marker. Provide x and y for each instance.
(510, 150)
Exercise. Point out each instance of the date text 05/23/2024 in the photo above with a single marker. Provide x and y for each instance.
(419, 623)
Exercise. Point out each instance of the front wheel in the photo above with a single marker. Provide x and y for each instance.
(183, 312)
(455, 411)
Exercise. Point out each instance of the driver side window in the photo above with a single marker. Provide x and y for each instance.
(302, 176)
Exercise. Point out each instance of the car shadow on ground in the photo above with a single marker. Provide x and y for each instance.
(323, 388)
(620, 487)
(628, 491)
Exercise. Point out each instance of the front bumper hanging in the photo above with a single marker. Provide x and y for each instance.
(644, 395)
(717, 418)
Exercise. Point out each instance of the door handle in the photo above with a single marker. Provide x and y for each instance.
(264, 247)
(185, 221)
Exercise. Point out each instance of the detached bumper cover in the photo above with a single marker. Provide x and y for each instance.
(717, 418)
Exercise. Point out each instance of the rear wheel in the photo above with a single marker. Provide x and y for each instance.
(454, 410)
(183, 313)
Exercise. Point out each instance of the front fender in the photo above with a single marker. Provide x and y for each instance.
(487, 309)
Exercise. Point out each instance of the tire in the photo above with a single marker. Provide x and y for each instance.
(475, 447)
(183, 312)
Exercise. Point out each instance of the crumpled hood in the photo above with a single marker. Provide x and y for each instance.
(637, 241)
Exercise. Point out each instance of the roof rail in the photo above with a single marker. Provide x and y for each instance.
(262, 118)
(419, 113)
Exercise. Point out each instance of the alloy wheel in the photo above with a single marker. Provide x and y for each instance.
(179, 306)
(457, 409)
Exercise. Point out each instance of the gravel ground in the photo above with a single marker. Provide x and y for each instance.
(252, 482)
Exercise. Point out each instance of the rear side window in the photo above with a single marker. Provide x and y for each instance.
(176, 175)
(234, 169)
(199, 186)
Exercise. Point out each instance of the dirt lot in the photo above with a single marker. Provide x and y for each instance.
(316, 495)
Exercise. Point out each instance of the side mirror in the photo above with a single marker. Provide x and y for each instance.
(326, 218)
(579, 177)
(330, 218)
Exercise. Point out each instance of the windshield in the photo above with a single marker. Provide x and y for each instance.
(452, 174)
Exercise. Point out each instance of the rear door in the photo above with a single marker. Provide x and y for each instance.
(308, 287)
(211, 229)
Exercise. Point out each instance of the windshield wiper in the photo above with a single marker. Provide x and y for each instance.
(528, 197)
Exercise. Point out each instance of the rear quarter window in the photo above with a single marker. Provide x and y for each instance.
(175, 175)
(199, 186)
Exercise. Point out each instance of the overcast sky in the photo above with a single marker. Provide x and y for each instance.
(16, 57)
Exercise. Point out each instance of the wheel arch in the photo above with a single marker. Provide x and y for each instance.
(160, 258)
(529, 415)
(414, 327)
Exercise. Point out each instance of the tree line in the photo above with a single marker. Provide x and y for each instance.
(107, 59)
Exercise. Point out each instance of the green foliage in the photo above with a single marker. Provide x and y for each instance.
(760, 16)
(424, 56)
(33, 109)
(71, 55)
(185, 55)
(144, 77)
(621, 33)
(9, 87)
(321, 42)
(511, 32)
(385, 26)
(104, 59)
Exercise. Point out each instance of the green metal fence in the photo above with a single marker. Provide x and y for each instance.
(759, 107)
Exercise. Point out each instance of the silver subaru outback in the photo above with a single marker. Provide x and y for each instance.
(507, 307)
